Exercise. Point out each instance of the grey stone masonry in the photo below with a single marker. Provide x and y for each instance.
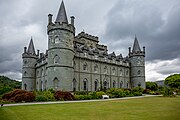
(78, 62)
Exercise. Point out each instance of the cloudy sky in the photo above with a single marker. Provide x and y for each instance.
(156, 24)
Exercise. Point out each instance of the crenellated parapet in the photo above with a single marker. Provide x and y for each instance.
(60, 26)
(87, 36)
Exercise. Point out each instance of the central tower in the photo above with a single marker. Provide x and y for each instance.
(60, 51)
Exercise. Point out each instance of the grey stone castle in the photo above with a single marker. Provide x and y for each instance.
(78, 62)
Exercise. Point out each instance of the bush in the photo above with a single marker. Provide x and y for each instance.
(81, 93)
(19, 96)
(117, 93)
(41, 98)
(61, 95)
(168, 92)
(146, 91)
(5, 90)
(99, 94)
(49, 95)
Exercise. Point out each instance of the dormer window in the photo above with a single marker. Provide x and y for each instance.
(85, 54)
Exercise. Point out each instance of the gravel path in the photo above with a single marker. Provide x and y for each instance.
(78, 101)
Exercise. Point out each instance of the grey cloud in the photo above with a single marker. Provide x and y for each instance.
(159, 35)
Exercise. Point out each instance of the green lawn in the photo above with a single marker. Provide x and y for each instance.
(152, 108)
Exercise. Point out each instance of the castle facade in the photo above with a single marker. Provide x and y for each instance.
(78, 62)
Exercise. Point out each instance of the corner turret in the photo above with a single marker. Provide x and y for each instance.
(28, 70)
(60, 51)
(137, 60)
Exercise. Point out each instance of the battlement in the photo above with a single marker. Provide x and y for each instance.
(102, 47)
(62, 26)
(87, 36)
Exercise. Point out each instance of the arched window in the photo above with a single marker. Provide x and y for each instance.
(105, 70)
(95, 85)
(105, 85)
(85, 66)
(25, 73)
(127, 85)
(85, 85)
(45, 85)
(25, 86)
(139, 84)
(127, 72)
(57, 39)
(74, 85)
(55, 82)
(114, 84)
(56, 59)
(113, 71)
(139, 72)
(120, 72)
(96, 68)
(121, 84)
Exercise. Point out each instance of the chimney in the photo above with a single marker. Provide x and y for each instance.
(129, 50)
(50, 18)
(25, 49)
(72, 20)
(38, 53)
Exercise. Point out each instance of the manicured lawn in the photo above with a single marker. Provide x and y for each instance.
(152, 108)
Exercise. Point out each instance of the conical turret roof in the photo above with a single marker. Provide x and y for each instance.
(31, 47)
(62, 17)
(136, 46)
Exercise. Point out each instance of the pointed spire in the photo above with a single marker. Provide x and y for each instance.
(31, 47)
(62, 17)
(136, 47)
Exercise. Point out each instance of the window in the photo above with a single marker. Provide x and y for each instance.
(120, 72)
(25, 73)
(56, 59)
(105, 70)
(127, 85)
(85, 66)
(113, 71)
(139, 84)
(85, 85)
(139, 72)
(74, 85)
(127, 72)
(25, 86)
(96, 85)
(114, 84)
(121, 84)
(57, 39)
(105, 85)
(45, 85)
(55, 82)
(96, 57)
(85, 54)
(96, 68)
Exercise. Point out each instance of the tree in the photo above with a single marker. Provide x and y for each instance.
(173, 81)
(151, 85)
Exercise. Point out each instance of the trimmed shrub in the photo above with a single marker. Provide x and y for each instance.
(19, 96)
(49, 95)
(99, 94)
(146, 91)
(81, 93)
(41, 98)
(61, 95)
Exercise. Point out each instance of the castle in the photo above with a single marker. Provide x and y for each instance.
(78, 62)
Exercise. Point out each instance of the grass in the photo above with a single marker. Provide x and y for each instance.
(151, 108)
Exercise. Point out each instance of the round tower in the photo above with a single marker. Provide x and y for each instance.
(137, 60)
(28, 70)
(60, 51)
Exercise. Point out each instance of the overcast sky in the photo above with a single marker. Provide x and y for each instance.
(156, 24)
